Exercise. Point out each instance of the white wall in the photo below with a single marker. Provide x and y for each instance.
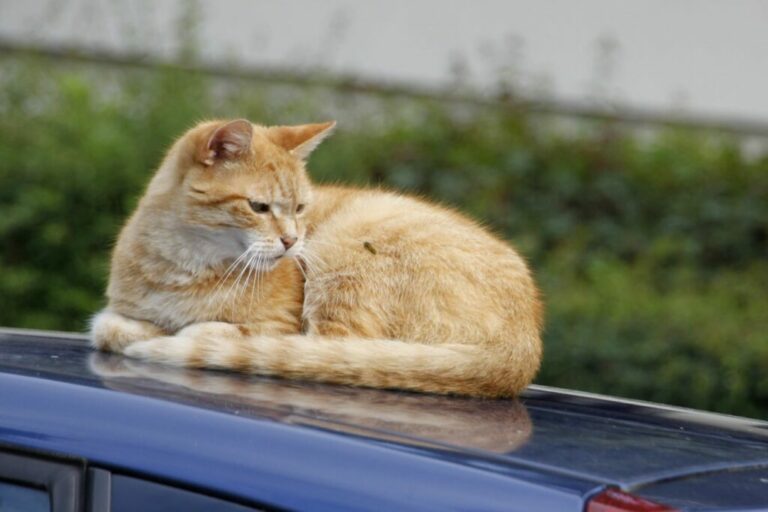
(701, 56)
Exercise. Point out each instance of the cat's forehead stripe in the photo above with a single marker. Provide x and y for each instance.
(280, 185)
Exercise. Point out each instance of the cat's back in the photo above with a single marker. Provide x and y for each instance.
(395, 220)
(418, 270)
(393, 238)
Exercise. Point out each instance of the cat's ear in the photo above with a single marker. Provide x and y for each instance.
(228, 141)
(301, 140)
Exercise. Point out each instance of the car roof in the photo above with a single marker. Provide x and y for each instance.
(179, 424)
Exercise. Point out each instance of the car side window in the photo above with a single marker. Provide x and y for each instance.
(130, 494)
(29, 483)
(23, 498)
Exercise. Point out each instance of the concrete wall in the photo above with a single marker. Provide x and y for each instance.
(705, 57)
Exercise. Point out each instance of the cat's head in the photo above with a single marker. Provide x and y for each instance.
(242, 189)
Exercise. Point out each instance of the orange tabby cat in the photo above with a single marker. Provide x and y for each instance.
(392, 292)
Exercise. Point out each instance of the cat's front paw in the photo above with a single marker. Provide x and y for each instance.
(175, 350)
(210, 329)
(112, 332)
(202, 345)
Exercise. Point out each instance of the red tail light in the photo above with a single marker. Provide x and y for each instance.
(614, 500)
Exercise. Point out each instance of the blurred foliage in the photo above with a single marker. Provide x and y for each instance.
(650, 248)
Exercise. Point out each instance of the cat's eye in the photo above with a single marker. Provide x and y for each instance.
(259, 207)
(300, 208)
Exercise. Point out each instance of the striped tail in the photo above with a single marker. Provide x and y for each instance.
(492, 370)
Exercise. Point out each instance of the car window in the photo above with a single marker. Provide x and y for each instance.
(132, 494)
(31, 482)
(21, 498)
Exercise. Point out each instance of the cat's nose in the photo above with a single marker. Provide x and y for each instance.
(288, 241)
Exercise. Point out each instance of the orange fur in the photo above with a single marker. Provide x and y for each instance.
(392, 291)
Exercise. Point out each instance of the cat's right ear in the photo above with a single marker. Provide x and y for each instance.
(228, 141)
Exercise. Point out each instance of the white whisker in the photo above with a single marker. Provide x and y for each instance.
(249, 266)
(301, 269)
(314, 262)
(232, 268)
(235, 288)
(255, 287)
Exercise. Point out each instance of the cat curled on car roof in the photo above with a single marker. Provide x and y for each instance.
(234, 260)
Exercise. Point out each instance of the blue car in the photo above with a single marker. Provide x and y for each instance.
(86, 431)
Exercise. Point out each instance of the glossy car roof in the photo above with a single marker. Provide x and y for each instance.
(285, 441)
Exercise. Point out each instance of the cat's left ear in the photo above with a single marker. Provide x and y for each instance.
(229, 140)
(301, 140)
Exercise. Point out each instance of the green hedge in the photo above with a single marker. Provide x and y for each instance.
(651, 249)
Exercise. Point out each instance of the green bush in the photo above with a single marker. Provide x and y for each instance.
(650, 250)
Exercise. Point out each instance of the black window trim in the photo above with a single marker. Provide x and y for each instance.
(62, 481)
(75, 486)
(99, 490)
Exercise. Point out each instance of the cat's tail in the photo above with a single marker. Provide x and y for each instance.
(501, 368)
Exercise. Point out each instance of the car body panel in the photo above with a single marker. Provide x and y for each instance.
(726, 490)
(54, 400)
(269, 439)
